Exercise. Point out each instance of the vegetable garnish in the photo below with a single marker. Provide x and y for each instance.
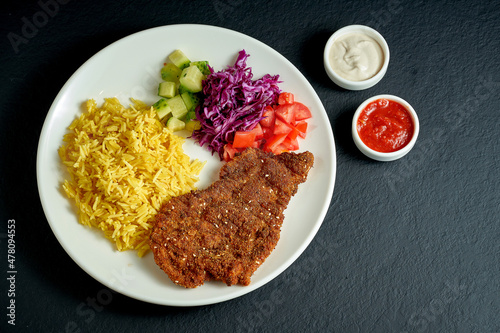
(233, 101)
(278, 131)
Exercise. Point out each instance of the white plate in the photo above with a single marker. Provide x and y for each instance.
(130, 68)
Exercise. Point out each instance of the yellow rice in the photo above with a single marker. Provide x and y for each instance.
(124, 164)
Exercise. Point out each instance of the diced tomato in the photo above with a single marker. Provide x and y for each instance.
(285, 98)
(268, 132)
(286, 113)
(257, 143)
(229, 152)
(277, 132)
(272, 144)
(259, 134)
(269, 117)
(291, 144)
(301, 127)
(281, 127)
(294, 133)
(301, 112)
(281, 148)
(243, 139)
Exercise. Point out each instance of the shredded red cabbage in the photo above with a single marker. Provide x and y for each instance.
(232, 102)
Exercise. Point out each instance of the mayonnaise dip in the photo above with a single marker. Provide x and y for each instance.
(356, 56)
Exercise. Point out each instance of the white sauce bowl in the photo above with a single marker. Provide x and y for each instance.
(349, 84)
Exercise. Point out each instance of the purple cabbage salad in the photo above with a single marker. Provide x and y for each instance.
(232, 102)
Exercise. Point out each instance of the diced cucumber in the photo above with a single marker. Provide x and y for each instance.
(166, 119)
(182, 81)
(162, 108)
(191, 115)
(170, 72)
(192, 125)
(202, 66)
(167, 89)
(191, 79)
(175, 124)
(190, 99)
(179, 59)
(178, 107)
(182, 90)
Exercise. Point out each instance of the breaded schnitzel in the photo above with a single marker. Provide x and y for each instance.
(226, 231)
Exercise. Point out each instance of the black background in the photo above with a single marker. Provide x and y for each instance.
(407, 246)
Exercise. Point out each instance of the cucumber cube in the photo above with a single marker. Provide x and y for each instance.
(179, 59)
(191, 115)
(192, 125)
(178, 107)
(175, 124)
(170, 72)
(167, 89)
(191, 79)
(162, 108)
(202, 66)
(191, 100)
(182, 90)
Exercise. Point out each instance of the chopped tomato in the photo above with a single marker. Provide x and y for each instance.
(277, 132)
(281, 148)
(301, 127)
(273, 143)
(268, 132)
(291, 144)
(229, 152)
(269, 117)
(281, 127)
(258, 143)
(259, 134)
(286, 113)
(294, 132)
(243, 139)
(285, 98)
(301, 111)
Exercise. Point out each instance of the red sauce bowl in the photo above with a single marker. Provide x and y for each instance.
(385, 127)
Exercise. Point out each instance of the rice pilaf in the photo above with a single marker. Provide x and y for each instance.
(124, 164)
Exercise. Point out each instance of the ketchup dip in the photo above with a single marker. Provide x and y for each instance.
(385, 126)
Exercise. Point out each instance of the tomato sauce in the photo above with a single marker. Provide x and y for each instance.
(385, 126)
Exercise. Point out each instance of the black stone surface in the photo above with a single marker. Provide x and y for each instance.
(407, 246)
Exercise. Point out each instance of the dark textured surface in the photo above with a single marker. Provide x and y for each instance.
(407, 246)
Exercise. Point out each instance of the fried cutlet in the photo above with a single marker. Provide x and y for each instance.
(225, 232)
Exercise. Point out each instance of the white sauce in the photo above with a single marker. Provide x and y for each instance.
(356, 56)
